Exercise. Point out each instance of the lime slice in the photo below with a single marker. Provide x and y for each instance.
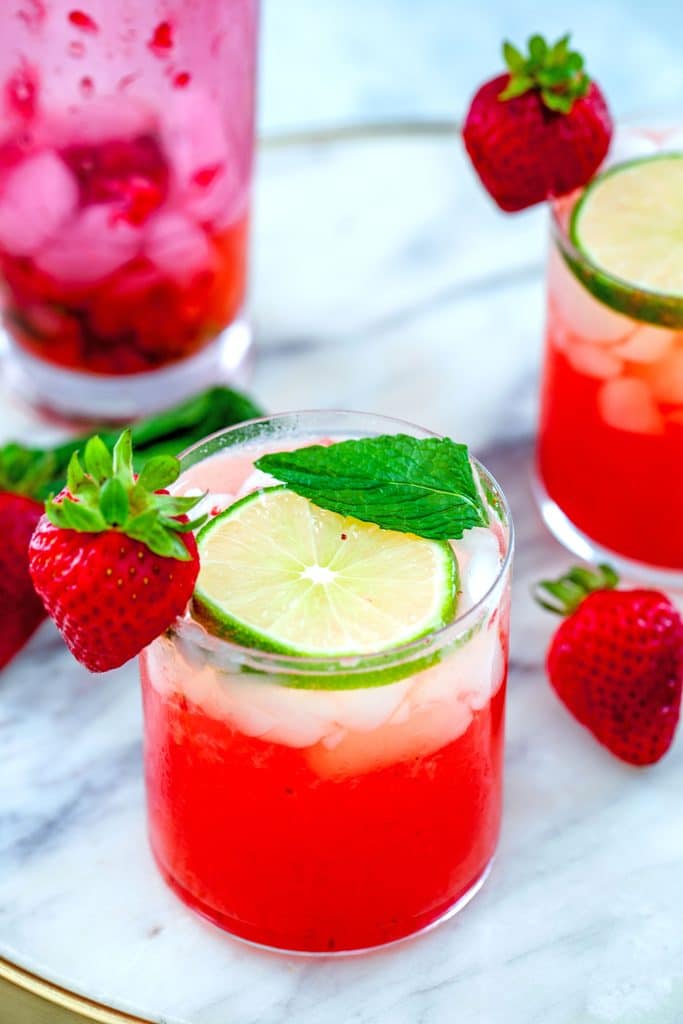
(280, 574)
(629, 224)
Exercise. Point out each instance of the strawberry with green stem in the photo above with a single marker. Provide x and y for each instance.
(616, 661)
(113, 558)
(21, 610)
(539, 130)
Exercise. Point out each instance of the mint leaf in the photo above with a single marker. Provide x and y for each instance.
(424, 486)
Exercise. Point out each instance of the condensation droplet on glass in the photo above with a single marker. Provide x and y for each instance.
(76, 49)
(87, 86)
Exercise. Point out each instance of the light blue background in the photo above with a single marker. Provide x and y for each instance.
(327, 62)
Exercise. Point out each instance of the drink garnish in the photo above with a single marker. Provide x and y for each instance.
(279, 573)
(113, 558)
(539, 130)
(628, 224)
(424, 486)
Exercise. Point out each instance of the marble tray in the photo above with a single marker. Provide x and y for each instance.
(383, 280)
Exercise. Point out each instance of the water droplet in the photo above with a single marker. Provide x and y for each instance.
(76, 49)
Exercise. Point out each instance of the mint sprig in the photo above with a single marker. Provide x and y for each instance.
(23, 472)
(555, 71)
(424, 486)
(42, 471)
(105, 494)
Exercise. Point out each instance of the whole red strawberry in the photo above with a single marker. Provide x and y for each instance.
(21, 610)
(617, 661)
(113, 558)
(540, 130)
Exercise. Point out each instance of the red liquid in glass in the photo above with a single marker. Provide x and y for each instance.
(248, 833)
(610, 446)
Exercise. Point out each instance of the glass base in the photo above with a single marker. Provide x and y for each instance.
(581, 545)
(87, 396)
(228, 926)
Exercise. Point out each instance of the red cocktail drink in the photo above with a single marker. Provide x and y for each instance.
(611, 431)
(327, 805)
(125, 166)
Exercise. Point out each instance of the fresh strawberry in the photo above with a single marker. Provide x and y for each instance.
(540, 130)
(617, 661)
(21, 610)
(113, 558)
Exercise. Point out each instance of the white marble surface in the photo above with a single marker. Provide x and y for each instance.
(383, 280)
(340, 61)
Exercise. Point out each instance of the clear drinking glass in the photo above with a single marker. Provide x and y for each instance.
(125, 166)
(610, 443)
(323, 805)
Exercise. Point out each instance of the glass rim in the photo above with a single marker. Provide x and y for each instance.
(293, 664)
(561, 234)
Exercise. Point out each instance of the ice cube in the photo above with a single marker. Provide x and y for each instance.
(194, 136)
(646, 345)
(38, 197)
(177, 245)
(594, 361)
(627, 404)
(581, 313)
(666, 378)
(366, 709)
(96, 244)
(217, 202)
(99, 120)
(293, 720)
(478, 556)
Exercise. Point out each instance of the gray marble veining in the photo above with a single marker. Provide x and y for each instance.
(413, 298)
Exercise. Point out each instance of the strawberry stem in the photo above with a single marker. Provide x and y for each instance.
(564, 595)
(554, 71)
(104, 494)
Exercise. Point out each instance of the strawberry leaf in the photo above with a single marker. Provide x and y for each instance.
(538, 49)
(513, 58)
(74, 474)
(564, 595)
(114, 504)
(107, 496)
(517, 86)
(98, 461)
(122, 459)
(557, 102)
(72, 515)
(554, 72)
(159, 472)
